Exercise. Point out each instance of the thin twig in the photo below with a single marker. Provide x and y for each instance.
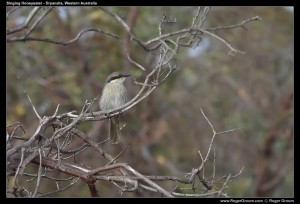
(155, 178)
(238, 173)
(196, 16)
(224, 185)
(19, 167)
(212, 127)
(48, 177)
(256, 18)
(232, 49)
(14, 130)
(39, 175)
(60, 189)
(214, 166)
(22, 39)
(37, 22)
(195, 195)
(27, 21)
(202, 162)
(33, 107)
(204, 16)
(11, 11)
(125, 166)
(118, 156)
(127, 28)
(55, 113)
(214, 133)
(135, 63)
(227, 131)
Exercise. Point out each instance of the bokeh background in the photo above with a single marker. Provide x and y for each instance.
(253, 91)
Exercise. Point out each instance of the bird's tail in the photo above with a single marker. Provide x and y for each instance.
(114, 130)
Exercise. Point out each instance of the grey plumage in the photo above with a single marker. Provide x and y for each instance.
(114, 95)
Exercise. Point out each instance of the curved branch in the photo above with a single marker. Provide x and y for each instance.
(34, 11)
(25, 38)
(128, 30)
(144, 178)
(255, 18)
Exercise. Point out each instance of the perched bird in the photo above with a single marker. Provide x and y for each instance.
(114, 95)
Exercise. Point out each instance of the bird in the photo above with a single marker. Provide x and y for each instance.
(114, 95)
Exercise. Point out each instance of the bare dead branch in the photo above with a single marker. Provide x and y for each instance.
(195, 172)
(224, 185)
(118, 156)
(204, 16)
(157, 39)
(60, 189)
(34, 109)
(232, 49)
(12, 135)
(11, 11)
(123, 23)
(38, 176)
(48, 177)
(27, 38)
(19, 167)
(227, 131)
(133, 171)
(241, 170)
(90, 30)
(123, 179)
(213, 137)
(28, 160)
(135, 63)
(197, 195)
(256, 18)
(55, 113)
(37, 22)
(214, 166)
(151, 183)
(196, 16)
(34, 11)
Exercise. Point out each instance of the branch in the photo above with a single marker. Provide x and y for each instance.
(204, 159)
(224, 186)
(197, 195)
(60, 189)
(256, 18)
(37, 22)
(135, 63)
(128, 30)
(204, 16)
(39, 175)
(125, 166)
(232, 49)
(34, 109)
(25, 38)
(155, 178)
(28, 20)
(11, 11)
(19, 167)
(19, 125)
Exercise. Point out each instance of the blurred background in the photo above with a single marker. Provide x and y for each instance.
(253, 91)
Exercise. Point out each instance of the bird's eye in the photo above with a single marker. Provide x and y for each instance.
(116, 77)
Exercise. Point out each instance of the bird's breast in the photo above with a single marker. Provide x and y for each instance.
(113, 96)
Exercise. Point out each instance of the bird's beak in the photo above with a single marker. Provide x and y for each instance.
(126, 75)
